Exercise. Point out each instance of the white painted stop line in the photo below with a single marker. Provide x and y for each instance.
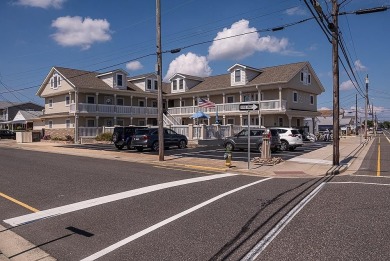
(164, 222)
(16, 221)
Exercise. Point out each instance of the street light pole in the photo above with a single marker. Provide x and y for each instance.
(335, 60)
(159, 85)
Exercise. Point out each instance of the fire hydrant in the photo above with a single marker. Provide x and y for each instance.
(228, 158)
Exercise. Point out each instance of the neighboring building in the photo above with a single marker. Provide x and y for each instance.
(325, 122)
(8, 111)
(76, 99)
(28, 120)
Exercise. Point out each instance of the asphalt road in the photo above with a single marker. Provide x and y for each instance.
(139, 214)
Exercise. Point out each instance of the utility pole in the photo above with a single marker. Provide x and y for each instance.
(365, 108)
(159, 85)
(335, 60)
(356, 116)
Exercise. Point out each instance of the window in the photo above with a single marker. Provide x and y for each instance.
(120, 122)
(67, 123)
(312, 99)
(237, 75)
(67, 100)
(90, 123)
(280, 122)
(120, 101)
(182, 103)
(154, 104)
(305, 77)
(230, 99)
(50, 102)
(298, 122)
(174, 85)
(91, 99)
(181, 84)
(155, 85)
(50, 124)
(149, 84)
(55, 81)
(141, 103)
(119, 80)
(230, 121)
(141, 122)
(295, 97)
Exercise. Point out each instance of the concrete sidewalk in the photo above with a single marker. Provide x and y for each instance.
(352, 150)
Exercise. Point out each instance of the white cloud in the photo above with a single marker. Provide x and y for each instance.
(191, 64)
(134, 66)
(347, 85)
(359, 66)
(74, 31)
(324, 109)
(296, 11)
(42, 3)
(239, 47)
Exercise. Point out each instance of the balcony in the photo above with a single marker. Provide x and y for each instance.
(3, 118)
(269, 106)
(113, 109)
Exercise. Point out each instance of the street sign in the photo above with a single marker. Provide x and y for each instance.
(248, 107)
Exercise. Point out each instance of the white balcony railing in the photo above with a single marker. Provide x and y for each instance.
(113, 109)
(265, 106)
(3, 118)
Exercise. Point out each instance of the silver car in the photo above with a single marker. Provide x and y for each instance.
(240, 140)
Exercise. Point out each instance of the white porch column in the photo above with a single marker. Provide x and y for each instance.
(76, 117)
(289, 120)
(97, 121)
(240, 96)
(97, 101)
(241, 123)
(131, 100)
(223, 98)
(280, 98)
(223, 120)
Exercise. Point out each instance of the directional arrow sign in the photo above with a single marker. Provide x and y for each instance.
(248, 107)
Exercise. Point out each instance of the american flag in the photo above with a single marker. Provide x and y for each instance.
(205, 103)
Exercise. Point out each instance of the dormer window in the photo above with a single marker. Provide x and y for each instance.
(55, 81)
(119, 80)
(174, 85)
(305, 77)
(237, 75)
(151, 84)
(181, 84)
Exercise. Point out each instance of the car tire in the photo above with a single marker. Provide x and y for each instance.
(155, 146)
(291, 148)
(182, 144)
(139, 149)
(129, 146)
(284, 145)
(260, 147)
(229, 146)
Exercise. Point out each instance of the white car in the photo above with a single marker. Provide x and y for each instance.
(290, 138)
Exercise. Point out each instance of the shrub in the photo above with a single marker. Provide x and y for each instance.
(104, 137)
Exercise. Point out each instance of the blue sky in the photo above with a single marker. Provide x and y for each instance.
(101, 35)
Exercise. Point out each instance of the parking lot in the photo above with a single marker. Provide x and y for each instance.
(209, 152)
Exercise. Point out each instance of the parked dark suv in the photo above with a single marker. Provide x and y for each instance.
(7, 134)
(122, 136)
(148, 138)
(240, 140)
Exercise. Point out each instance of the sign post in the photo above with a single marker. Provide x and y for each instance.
(249, 107)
